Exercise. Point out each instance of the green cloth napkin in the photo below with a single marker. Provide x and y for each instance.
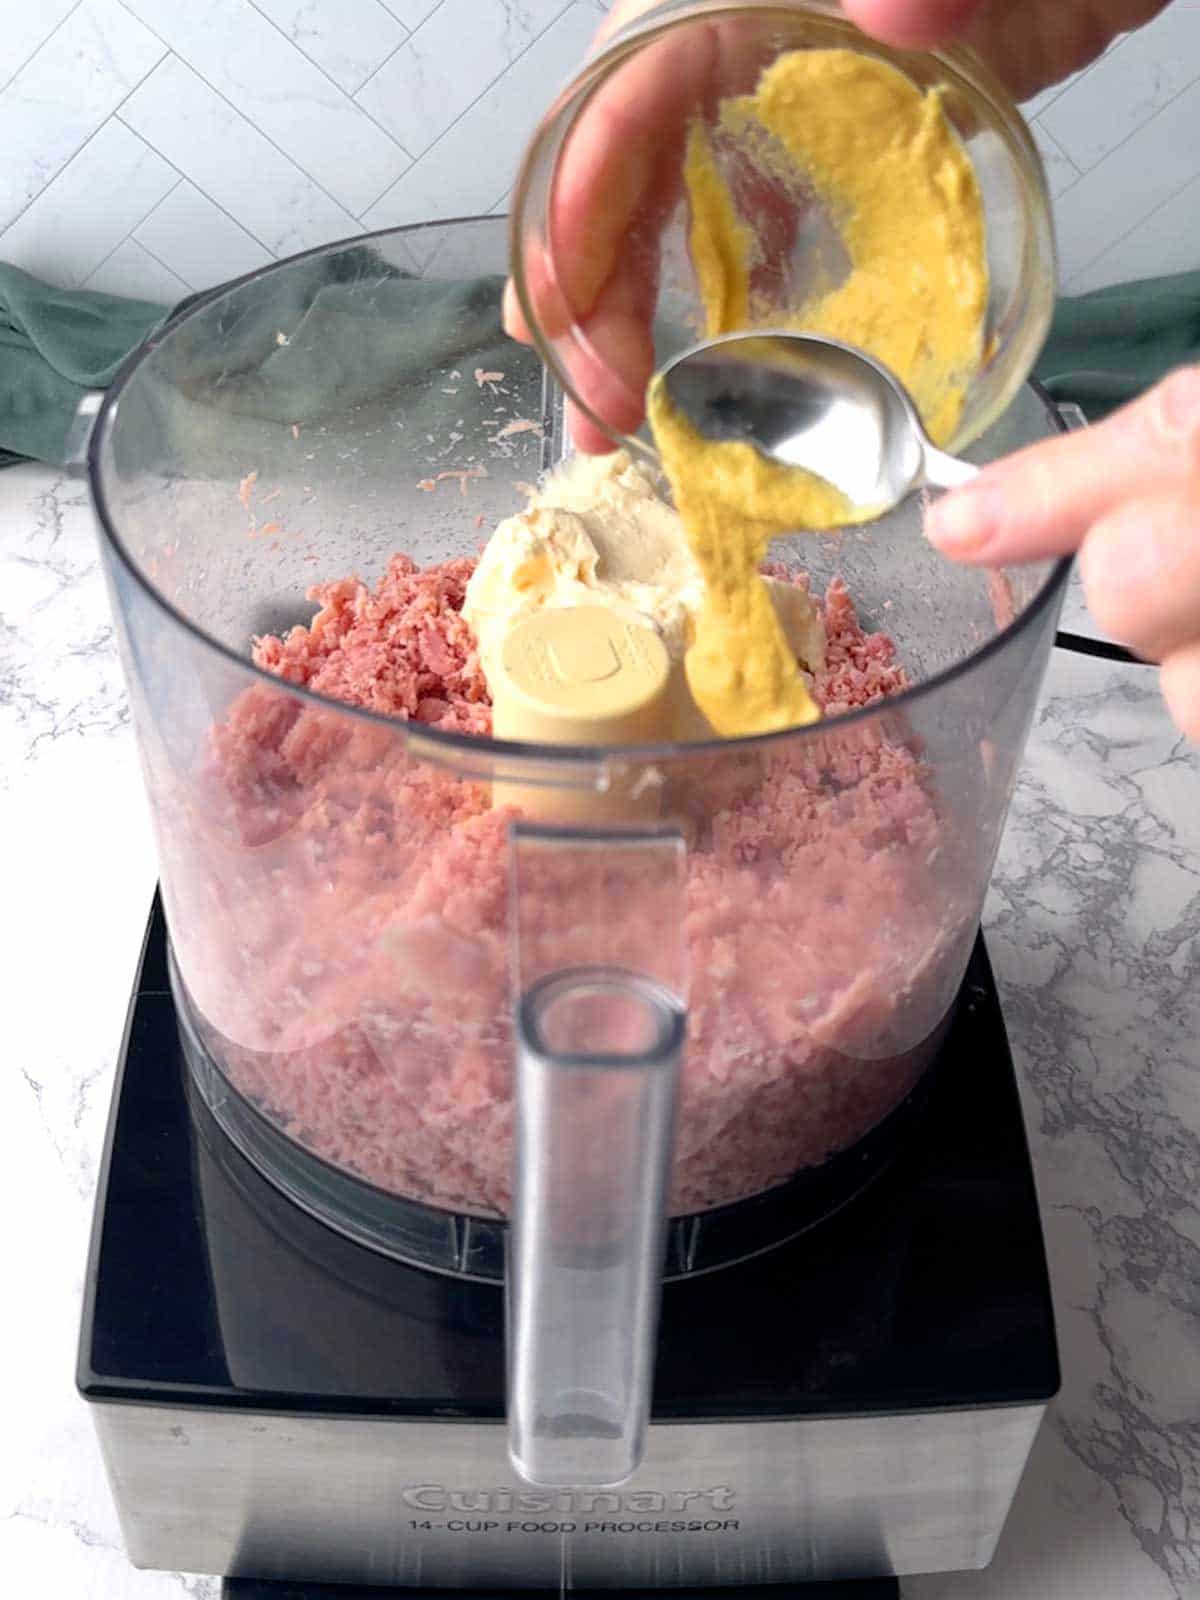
(350, 330)
(1110, 346)
(55, 345)
(381, 329)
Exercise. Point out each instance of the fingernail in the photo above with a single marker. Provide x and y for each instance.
(961, 523)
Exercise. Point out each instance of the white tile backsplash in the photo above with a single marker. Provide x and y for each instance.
(158, 146)
(1121, 93)
(68, 89)
(225, 157)
(95, 202)
(473, 163)
(193, 238)
(1112, 199)
(347, 39)
(132, 270)
(411, 13)
(25, 29)
(245, 59)
(1061, 171)
(1164, 243)
(446, 65)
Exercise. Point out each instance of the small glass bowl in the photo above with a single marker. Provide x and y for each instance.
(641, 89)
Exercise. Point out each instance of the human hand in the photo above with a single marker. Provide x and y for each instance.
(1126, 496)
(618, 178)
(620, 172)
(1029, 44)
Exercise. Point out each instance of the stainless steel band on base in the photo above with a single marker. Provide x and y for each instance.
(392, 1501)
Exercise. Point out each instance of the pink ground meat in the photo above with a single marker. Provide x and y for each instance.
(341, 913)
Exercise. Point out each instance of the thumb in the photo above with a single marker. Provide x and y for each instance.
(1042, 501)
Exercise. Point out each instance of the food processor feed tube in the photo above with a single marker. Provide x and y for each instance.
(586, 1251)
(598, 1057)
(598, 1045)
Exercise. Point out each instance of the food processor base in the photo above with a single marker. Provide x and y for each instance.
(277, 1403)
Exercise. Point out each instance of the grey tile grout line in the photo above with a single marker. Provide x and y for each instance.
(1133, 132)
(129, 232)
(1162, 204)
(410, 34)
(1057, 143)
(172, 55)
(20, 68)
(1099, 167)
(180, 177)
(347, 95)
(1056, 95)
(138, 245)
(192, 288)
(391, 55)
(128, 239)
(436, 6)
(1062, 89)
(553, 23)
(95, 133)
(1054, 201)
(491, 84)
(183, 178)
(1057, 91)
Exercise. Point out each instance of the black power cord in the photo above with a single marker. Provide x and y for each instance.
(1080, 646)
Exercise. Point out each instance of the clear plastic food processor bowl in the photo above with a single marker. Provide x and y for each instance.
(423, 1005)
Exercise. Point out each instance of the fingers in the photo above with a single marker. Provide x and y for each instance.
(1043, 501)
(618, 158)
(608, 177)
(1141, 569)
(515, 325)
(617, 179)
(912, 23)
(610, 357)
(1181, 689)
(1127, 496)
(587, 438)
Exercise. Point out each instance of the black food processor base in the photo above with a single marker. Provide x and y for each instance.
(276, 1402)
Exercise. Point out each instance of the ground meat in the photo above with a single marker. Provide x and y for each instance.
(340, 900)
(402, 649)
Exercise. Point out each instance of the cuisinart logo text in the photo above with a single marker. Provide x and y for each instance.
(433, 1497)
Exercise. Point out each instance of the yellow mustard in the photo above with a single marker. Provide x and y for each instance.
(741, 670)
(881, 156)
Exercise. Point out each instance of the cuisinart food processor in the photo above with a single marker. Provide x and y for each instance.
(717, 1085)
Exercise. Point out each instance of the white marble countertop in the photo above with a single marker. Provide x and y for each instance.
(1094, 926)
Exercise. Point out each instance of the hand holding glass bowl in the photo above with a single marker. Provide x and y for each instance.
(598, 286)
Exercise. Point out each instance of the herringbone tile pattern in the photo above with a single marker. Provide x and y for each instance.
(156, 146)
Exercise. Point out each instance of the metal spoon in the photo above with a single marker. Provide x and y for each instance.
(815, 403)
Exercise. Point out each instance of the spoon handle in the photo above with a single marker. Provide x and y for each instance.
(947, 472)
